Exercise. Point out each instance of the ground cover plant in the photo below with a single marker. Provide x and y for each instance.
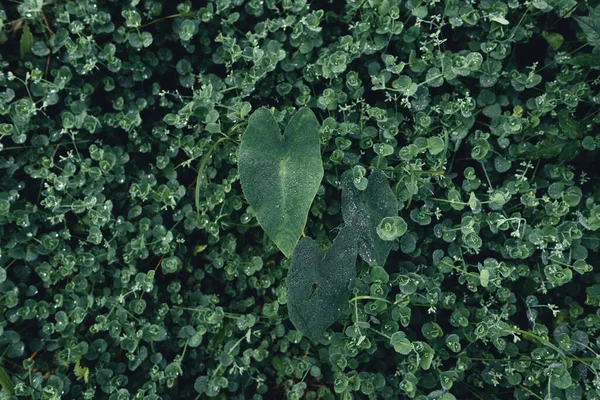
(286, 199)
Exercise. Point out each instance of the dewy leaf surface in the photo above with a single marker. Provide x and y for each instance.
(364, 210)
(317, 285)
(280, 175)
(591, 27)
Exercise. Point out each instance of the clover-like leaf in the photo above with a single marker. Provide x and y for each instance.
(200, 384)
(426, 354)
(560, 377)
(435, 145)
(391, 228)
(317, 285)
(280, 175)
(364, 210)
(401, 343)
(170, 265)
(453, 342)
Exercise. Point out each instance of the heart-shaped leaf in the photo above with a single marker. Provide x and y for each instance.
(364, 210)
(280, 175)
(317, 285)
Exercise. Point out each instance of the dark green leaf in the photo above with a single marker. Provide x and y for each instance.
(570, 129)
(591, 28)
(586, 60)
(317, 285)
(200, 384)
(549, 147)
(561, 378)
(364, 210)
(5, 381)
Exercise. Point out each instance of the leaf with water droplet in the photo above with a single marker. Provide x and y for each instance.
(280, 174)
(364, 210)
(590, 27)
(200, 384)
(484, 277)
(319, 285)
(401, 343)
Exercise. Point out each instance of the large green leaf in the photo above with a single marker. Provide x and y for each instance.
(570, 128)
(364, 210)
(586, 60)
(5, 381)
(591, 26)
(317, 285)
(280, 175)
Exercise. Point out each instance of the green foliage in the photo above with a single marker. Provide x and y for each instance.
(81, 372)
(280, 174)
(391, 228)
(318, 285)
(6, 383)
(590, 26)
(26, 42)
(363, 210)
(448, 149)
(555, 40)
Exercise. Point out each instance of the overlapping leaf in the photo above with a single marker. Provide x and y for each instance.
(317, 285)
(364, 210)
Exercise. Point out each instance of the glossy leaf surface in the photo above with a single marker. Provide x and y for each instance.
(364, 210)
(279, 174)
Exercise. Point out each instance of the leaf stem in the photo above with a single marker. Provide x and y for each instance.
(368, 298)
(185, 14)
(201, 171)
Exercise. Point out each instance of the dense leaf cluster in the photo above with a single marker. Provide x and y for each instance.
(132, 265)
